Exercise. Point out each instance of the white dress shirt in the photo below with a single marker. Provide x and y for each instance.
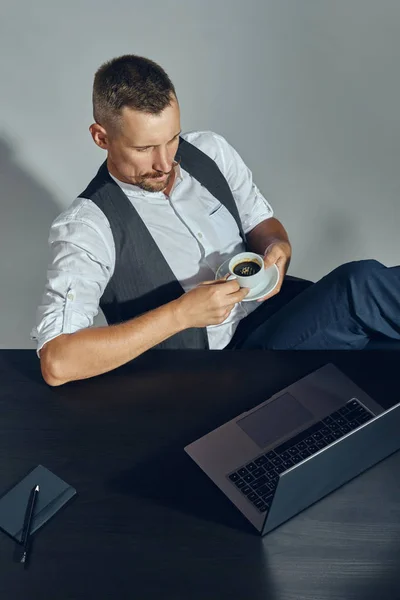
(192, 229)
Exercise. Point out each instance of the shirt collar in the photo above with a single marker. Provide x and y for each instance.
(134, 190)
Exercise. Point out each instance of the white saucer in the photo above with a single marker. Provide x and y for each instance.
(272, 277)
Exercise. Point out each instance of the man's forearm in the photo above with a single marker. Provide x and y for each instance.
(265, 233)
(96, 350)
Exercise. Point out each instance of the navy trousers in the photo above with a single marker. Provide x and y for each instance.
(355, 304)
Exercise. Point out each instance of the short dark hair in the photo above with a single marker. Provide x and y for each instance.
(133, 81)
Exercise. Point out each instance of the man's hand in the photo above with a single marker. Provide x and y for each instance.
(210, 303)
(277, 253)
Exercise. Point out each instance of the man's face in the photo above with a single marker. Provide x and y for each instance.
(143, 147)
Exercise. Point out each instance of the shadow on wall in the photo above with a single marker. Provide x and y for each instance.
(27, 210)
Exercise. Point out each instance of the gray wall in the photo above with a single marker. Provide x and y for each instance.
(307, 91)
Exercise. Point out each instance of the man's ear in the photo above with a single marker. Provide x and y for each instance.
(99, 135)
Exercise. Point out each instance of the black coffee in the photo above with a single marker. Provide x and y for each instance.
(246, 268)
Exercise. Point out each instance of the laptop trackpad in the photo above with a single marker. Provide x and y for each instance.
(275, 420)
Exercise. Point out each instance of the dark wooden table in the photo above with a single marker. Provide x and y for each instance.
(147, 523)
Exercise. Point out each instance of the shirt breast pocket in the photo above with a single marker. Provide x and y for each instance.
(223, 231)
(215, 209)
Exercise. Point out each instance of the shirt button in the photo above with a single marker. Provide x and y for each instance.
(70, 296)
(200, 235)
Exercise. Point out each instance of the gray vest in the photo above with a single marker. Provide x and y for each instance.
(142, 279)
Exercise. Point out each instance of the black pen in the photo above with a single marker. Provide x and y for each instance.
(28, 521)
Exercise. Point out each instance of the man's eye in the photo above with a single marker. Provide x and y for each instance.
(149, 147)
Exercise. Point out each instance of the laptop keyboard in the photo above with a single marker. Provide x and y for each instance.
(258, 479)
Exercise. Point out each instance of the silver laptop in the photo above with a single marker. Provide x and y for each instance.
(298, 446)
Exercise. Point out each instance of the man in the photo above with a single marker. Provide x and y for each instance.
(145, 240)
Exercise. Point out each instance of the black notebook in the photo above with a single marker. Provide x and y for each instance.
(53, 494)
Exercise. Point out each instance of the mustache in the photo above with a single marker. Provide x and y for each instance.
(176, 162)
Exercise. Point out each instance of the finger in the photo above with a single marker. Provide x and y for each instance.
(209, 282)
(274, 255)
(231, 285)
(226, 278)
(222, 279)
(239, 295)
(270, 259)
(280, 263)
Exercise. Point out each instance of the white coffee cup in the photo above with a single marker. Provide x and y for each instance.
(248, 281)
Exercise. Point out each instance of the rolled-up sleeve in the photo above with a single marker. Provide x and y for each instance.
(80, 267)
(253, 207)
